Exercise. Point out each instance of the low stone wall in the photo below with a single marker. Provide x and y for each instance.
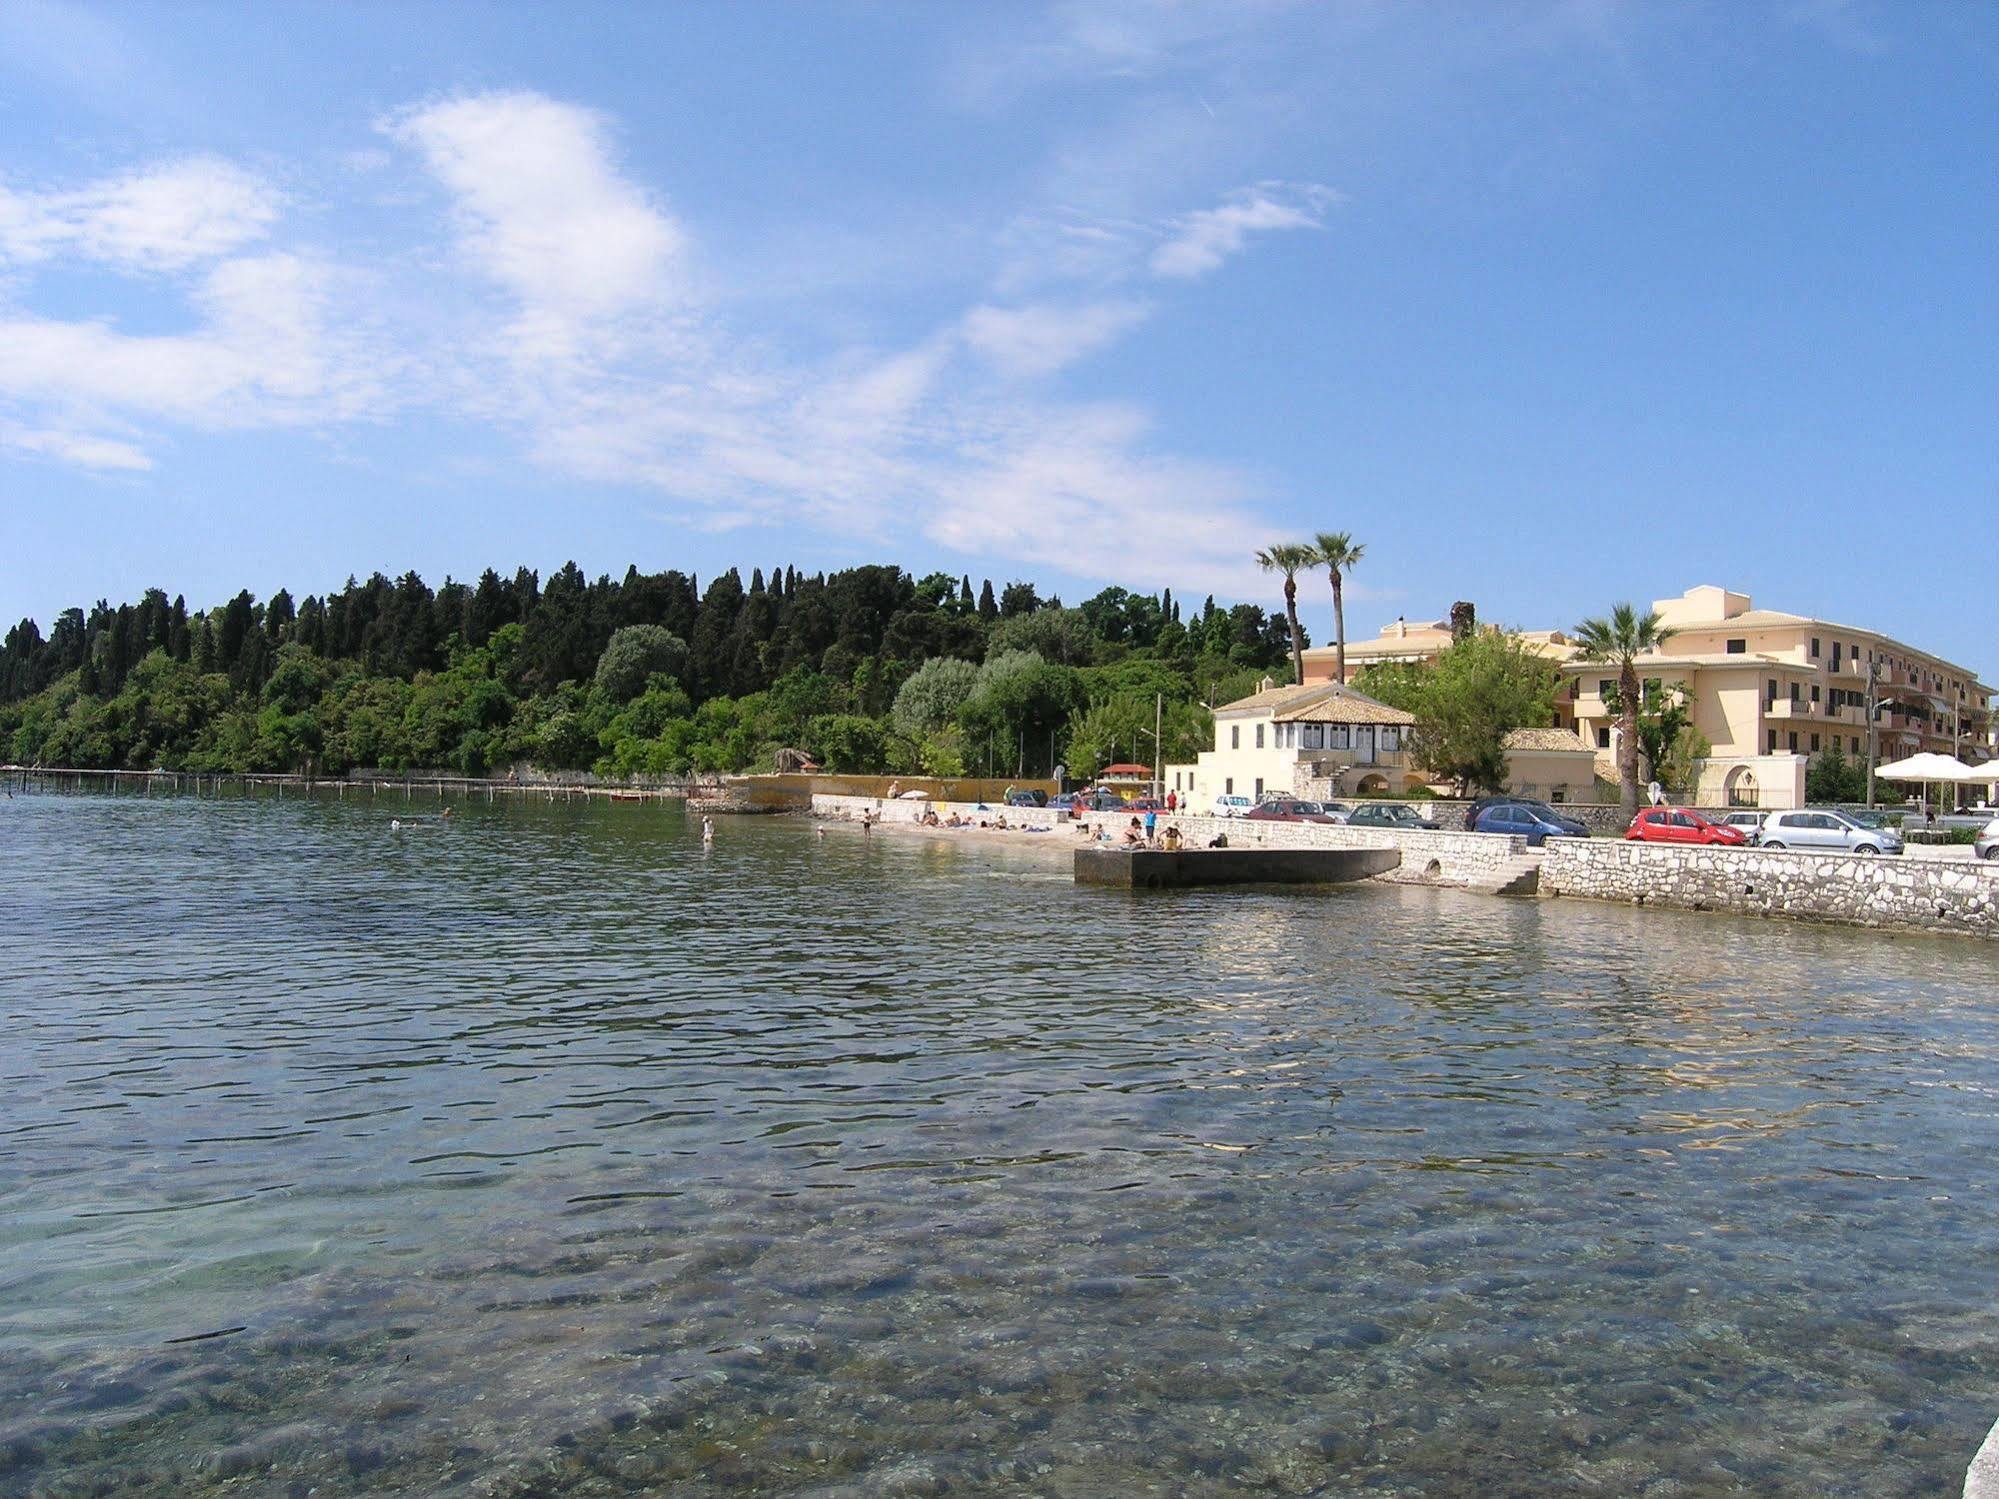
(1909, 894)
(1471, 860)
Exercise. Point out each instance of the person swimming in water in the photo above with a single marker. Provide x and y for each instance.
(707, 830)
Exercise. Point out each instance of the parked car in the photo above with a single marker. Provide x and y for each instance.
(1232, 806)
(1147, 804)
(1748, 824)
(1476, 812)
(1678, 825)
(1099, 801)
(1027, 798)
(1824, 829)
(1390, 815)
(1066, 802)
(1536, 822)
(1290, 810)
(1986, 844)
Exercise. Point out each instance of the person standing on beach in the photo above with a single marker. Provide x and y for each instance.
(1151, 822)
(1172, 801)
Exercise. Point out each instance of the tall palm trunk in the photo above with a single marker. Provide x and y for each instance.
(1627, 740)
(1339, 632)
(1297, 635)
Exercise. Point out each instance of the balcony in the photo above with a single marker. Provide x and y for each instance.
(1329, 763)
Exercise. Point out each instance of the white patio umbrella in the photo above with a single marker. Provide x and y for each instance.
(1927, 767)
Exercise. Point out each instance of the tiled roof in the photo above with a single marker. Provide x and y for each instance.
(1546, 739)
(1317, 702)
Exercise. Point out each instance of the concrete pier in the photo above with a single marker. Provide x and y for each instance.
(1155, 869)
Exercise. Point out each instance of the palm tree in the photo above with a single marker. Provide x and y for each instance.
(1289, 558)
(1337, 552)
(1619, 641)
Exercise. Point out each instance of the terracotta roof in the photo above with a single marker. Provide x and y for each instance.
(1547, 739)
(1126, 770)
(1317, 702)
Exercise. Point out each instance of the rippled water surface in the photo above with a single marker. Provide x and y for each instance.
(545, 1153)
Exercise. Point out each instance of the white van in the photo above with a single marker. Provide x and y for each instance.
(1232, 806)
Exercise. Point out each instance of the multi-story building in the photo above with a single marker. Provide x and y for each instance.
(1322, 741)
(1317, 740)
(1768, 690)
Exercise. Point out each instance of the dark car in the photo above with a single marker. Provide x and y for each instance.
(1537, 822)
(1281, 809)
(1484, 804)
(1097, 801)
(1391, 815)
(1027, 798)
(1147, 804)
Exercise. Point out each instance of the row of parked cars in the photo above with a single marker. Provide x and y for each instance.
(1815, 828)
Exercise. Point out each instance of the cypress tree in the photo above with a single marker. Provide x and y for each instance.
(988, 605)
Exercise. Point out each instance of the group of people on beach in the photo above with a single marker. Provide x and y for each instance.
(1136, 834)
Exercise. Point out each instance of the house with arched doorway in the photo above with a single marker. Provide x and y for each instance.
(1319, 740)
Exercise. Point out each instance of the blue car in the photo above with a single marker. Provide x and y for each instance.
(1536, 824)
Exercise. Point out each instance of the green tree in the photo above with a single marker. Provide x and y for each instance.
(933, 695)
(1831, 777)
(1479, 690)
(1337, 552)
(634, 655)
(1619, 639)
(1289, 558)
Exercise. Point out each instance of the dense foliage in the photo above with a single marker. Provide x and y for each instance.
(1481, 687)
(867, 669)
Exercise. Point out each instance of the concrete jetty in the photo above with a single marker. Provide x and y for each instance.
(1156, 869)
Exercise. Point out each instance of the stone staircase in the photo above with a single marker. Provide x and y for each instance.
(1519, 875)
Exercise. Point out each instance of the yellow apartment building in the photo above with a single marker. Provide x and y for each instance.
(1768, 690)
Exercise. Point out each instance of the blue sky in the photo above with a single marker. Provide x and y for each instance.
(1550, 305)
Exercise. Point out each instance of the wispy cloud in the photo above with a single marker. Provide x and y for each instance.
(564, 306)
(158, 219)
(1044, 338)
(1207, 238)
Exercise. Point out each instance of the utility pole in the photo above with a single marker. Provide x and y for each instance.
(1158, 744)
(1873, 707)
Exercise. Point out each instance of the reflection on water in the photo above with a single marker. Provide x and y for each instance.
(548, 1153)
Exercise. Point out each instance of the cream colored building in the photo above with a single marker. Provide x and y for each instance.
(1322, 741)
(1317, 741)
(1768, 690)
(1553, 764)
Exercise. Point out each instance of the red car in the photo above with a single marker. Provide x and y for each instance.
(1291, 811)
(1678, 825)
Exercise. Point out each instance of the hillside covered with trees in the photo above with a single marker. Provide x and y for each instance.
(648, 675)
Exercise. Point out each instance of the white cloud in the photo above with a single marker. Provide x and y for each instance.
(159, 219)
(98, 453)
(1207, 238)
(262, 356)
(542, 210)
(1041, 339)
(610, 366)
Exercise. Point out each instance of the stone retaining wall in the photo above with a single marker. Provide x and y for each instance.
(1462, 859)
(1909, 894)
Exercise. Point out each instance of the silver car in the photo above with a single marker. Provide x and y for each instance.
(1986, 844)
(1826, 831)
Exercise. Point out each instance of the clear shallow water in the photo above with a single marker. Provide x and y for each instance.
(547, 1154)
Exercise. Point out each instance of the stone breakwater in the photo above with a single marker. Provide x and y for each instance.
(1908, 894)
(1479, 861)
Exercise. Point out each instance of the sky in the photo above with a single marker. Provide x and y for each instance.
(1550, 305)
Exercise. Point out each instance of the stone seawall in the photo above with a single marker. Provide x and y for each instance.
(1908, 894)
(1467, 860)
